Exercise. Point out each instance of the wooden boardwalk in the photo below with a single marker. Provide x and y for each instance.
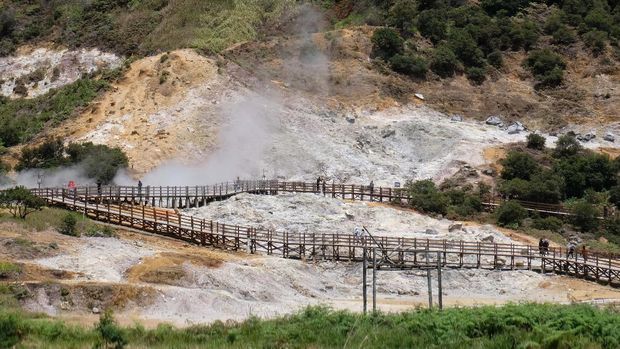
(196, 196)
(127, 206)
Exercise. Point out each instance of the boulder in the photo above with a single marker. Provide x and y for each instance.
(419, 96)
(515, 128)
(388, 132)
(609, 137)
(586, 137)
(431, 232)
(494, 120)
(349, 215)
(96, 310)
(488, 172)
(488, 238)
(456, 118)
(455, 227)
(350, 118)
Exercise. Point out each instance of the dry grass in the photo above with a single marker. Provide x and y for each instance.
(167, 268)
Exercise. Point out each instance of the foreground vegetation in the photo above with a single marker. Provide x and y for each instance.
(512, 326)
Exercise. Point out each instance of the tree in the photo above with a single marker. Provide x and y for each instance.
(99, 162)
(536, 141)
(47, 155)
(413, 66)
(510, 213)
(519, 165)
(402, 15)
(466, 48)
(387, 43)
(585, 216)
(444, 62)
(427, 198)
(20, 201)
(563, 36)
(433, 25)
(567, 145)
(614, 196)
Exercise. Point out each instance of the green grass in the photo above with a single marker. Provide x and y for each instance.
(512, 326)
(52, 218)
(7, 268)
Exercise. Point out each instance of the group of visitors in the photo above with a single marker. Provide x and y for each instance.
(571, 249)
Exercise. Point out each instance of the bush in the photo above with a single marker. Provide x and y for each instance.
(563, 36)
(466, 48)
(387, 43)
(567, 145)
(614, 196)
(426, 197)
(10, 330)
(596, 40)
(413, 66)
(444, 62)
(101, 231)
(20, 201)
(68, 225)
(402, 15)
(510, 213)
(546, 66)
(536, 141)
(110, 335)
(432, 25)
(585, 216)
(519, 165)
(476, 75)
(47, 155)
(495, 59)
(548, 223)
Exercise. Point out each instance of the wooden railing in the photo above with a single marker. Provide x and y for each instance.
(396, 252)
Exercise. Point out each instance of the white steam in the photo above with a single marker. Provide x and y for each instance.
(249, 124)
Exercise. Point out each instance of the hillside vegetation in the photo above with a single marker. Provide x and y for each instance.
(137, 27)
(513, 326)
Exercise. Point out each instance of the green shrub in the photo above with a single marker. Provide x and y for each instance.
(614, 196)
(548, 223)
(402, 15)
(386, 43)
(110, 335)
(596, 40)
(462, 43)
(547, 67)
(510, 213)
(69, 225)
(10, 330)
(476, 75)
(432, 25)
(101, 231)
(585, 215)
(425, 197)
(495, 59)
(519, 165)
(536, 141)
(413, 66)
(444, 62)
(567, 145)
(563, 36)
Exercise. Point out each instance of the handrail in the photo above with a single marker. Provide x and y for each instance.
(207, 232)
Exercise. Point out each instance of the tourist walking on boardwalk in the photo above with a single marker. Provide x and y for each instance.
(545, 246)
(541, 246)
(318, 184)
(570, 249)
(139, 188)
(584, 253)
(99, 187)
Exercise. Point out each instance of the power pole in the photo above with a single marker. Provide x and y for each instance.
(439, 281)
(364, 266)
(374, 280)
(430, 289)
